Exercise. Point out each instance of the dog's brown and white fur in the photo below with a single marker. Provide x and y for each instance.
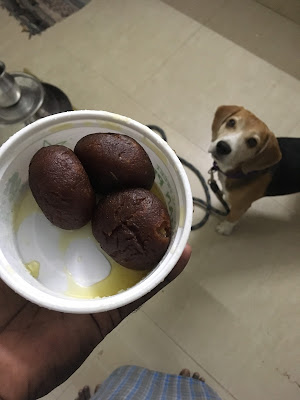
(241, 144)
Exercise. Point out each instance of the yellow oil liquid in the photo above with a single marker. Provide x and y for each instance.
(67, 237)
(23, 208)
(34, 268)
(119, 279)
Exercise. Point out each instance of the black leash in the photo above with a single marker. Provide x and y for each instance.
(204, 204)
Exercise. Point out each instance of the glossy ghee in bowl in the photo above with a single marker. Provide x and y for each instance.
(31, 228)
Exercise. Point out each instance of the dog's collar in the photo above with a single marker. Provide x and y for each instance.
(238, 174)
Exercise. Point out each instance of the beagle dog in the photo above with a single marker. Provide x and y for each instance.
(251, 162)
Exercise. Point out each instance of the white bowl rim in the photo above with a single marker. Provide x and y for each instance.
(85, 306)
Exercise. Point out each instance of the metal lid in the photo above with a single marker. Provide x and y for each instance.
(32, 96)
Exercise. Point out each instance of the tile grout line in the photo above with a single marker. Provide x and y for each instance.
(190, 356)
(174, 52)
(276, 12)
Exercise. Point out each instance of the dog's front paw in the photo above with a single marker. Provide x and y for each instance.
(225, 228)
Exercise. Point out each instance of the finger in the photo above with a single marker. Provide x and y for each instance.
(179, 267)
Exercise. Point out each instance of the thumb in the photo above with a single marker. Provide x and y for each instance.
(179, 267)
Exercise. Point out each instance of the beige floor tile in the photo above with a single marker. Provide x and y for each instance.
(70, 393)
(231, 272)
(288, 8)
(123, 43)
(262, 31)
(8, 27)
(281, 108)
(291, 202)
(201, 10)
(294, 132)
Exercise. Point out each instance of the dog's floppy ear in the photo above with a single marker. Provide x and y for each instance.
(268, 155)
(222, 113)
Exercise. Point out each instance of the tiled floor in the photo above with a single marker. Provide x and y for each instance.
(254, 27)
(233, 315)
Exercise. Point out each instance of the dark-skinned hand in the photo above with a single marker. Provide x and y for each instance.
(40, 349)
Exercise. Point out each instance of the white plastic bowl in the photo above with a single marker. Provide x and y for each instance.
(67, 128)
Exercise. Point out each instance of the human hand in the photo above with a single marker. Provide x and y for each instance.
(40, 349)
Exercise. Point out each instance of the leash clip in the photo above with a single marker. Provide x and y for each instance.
(211, 172)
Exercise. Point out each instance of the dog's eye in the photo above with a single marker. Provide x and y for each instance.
(252, 142)
(230, 123)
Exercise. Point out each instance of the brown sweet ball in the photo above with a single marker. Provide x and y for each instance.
(133, 227)
(114, 162)
(61, 187)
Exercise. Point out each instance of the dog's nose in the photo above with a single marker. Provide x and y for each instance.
(223, 148)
